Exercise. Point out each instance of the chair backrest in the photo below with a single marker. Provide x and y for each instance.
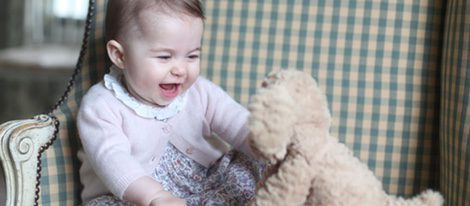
(59, 182)
(378, 62)
(454, 128)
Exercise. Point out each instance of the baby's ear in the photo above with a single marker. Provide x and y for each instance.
(115, 53)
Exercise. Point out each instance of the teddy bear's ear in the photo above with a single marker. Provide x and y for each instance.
(272, 78)
(271, 121)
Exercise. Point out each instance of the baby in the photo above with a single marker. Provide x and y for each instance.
(145, 128)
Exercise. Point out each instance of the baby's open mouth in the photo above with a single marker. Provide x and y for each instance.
(170, 90)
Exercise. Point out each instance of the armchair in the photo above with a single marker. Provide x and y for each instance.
(396, 74)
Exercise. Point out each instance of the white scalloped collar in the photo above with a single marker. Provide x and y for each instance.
(112, 81)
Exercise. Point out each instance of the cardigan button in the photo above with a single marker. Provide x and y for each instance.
(189, 151)
(166, 129)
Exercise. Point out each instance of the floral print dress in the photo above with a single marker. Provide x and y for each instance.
(230, 181)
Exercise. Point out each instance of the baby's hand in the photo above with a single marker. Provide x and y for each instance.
(165, 198)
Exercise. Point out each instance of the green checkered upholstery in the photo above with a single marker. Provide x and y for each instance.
(378, 61)
(454, 130)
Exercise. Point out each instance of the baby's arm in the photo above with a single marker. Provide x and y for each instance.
(109, 152)
(227, 117)
(146, 191)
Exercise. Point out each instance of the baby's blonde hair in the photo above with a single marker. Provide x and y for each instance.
(121, 13)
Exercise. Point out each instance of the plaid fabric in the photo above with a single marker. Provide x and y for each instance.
(378, 62)
(455, 105)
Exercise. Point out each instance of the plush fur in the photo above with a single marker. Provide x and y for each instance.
(289, 127)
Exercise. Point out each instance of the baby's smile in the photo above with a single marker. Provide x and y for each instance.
(170, 90)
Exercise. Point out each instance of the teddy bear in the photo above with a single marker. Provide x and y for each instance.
(289, 128)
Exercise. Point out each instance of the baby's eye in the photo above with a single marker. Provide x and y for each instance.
(164, 57)
(194, 56)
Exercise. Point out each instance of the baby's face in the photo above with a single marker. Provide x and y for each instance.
(162, 57)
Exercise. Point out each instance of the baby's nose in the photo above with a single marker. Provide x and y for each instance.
(179, 68)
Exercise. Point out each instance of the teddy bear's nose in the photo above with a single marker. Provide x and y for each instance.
(264, 84)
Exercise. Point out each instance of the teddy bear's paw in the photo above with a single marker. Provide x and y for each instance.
(431, 198)
(289, 185)
(425, 198)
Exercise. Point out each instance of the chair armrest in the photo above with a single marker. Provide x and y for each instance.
(22, 142)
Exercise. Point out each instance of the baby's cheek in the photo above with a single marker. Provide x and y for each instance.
(189, 83)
